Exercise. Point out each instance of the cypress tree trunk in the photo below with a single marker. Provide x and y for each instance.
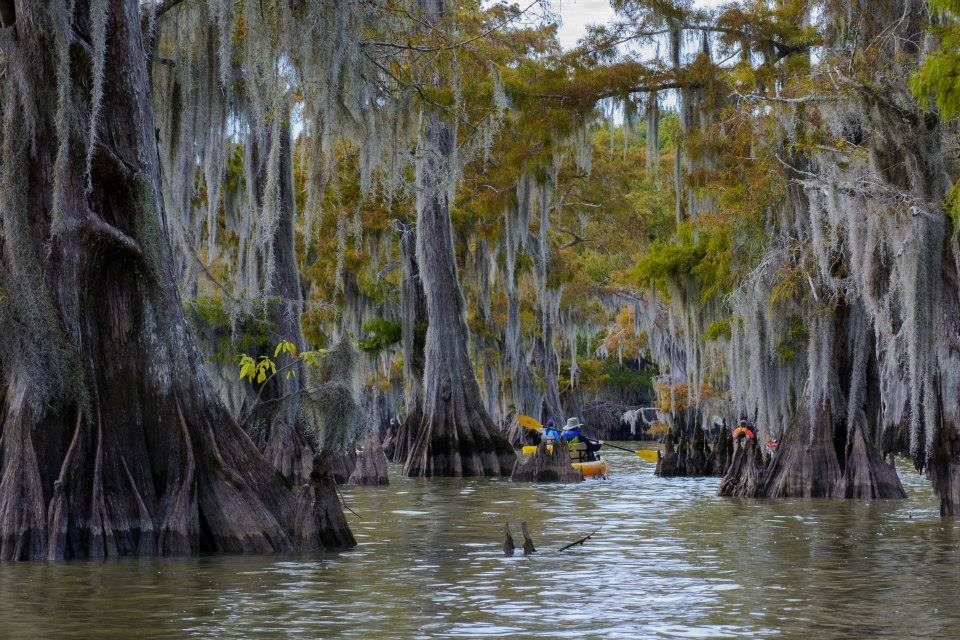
(413, 311)
(685, 456)
(523, 391)
(456, 436)
(806, 464)
(114, 439)
(279, 421)
(676, 44)
(549, 300)
(371, 467)
(744, 478)
(653, 135)
(552, 405)
(546, 466)
(867, 476)
(826, 453)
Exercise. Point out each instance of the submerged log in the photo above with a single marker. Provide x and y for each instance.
(371, 467)
(546, 466)
(745, 476)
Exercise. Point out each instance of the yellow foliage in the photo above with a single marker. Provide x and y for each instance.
(679, 399)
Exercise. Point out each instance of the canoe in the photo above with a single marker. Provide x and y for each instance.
(591, 469)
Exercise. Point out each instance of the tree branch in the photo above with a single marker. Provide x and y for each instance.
(100, 228)
(579, 541)
(165, 6)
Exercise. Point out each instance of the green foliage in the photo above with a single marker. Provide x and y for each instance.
(379, 335)
(718, 330)
(938, 78)
(794, 339)
(952, 206)
(225, 339)
(670, 260)
(626, 378)
(606, 374)
(256, 370)
(285, 347)
(261, 369)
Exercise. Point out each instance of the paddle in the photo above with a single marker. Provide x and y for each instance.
(647, 455)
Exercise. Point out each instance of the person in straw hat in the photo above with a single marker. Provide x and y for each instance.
(573, 435)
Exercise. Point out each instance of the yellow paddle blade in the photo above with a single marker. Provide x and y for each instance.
(647, 455)
(529, 423)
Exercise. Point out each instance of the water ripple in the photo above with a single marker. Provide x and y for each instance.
(670, 560)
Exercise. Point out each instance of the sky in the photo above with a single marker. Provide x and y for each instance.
(577, 14)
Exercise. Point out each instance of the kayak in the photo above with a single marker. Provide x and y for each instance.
(591, 469)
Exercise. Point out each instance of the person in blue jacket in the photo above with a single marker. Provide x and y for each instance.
(550, 431)
(572, 434)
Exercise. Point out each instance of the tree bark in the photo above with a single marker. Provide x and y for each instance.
(549, 299)
(685, 456)
(745, 475)
(653, 135)
(371, 468)
(866, 475)
(279, 423)
(115, 442)
(806, 464)
(546, 466)
(456, 436)
(413, 312)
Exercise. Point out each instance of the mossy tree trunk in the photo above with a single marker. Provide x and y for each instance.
(279, 422)
(413, 311)
(114, 441)
(456, 436)
(828, 450)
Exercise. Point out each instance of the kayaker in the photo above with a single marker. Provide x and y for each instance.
(743, 430)
(572, 434)
(550, 431)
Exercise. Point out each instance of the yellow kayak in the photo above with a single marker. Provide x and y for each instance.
(592, 469)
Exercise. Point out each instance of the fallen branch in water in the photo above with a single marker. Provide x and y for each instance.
(576, 542)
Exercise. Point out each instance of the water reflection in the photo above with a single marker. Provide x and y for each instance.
(670, 560)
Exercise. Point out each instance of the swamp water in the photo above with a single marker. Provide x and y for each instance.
(670, 559)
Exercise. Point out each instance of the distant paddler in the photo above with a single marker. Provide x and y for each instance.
(743, 430)
(551, 433)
